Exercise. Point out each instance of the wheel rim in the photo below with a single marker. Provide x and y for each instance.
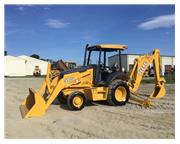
(78, 101)
(120, 94)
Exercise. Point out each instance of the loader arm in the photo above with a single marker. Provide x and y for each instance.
(37, 103)
(138, 70)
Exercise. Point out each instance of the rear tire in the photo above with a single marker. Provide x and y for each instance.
(76, 101)
(118, 94)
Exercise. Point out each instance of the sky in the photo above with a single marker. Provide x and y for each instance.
(62, 31)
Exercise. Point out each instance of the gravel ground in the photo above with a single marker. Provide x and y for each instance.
(97, 120)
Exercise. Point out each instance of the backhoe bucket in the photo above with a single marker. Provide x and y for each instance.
(159, 92)
(33, 105)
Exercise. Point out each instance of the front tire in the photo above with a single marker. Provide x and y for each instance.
(76, 101)
(118, 94)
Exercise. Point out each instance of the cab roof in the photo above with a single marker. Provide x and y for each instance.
(108, 47)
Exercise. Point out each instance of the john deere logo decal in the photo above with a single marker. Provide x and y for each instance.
(70, 79)
(143, 68)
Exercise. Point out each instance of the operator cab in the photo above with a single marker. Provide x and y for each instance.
(102, 72)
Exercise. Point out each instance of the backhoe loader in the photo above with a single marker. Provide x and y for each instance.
(94, 82)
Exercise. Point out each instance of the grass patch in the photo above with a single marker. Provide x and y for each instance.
(148, 80)
(170, 79)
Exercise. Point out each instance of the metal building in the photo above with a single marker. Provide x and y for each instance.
(127, 61)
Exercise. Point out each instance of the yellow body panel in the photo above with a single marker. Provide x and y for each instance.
(96, 93)
(79, 79)
(113, 46)
(91, 93)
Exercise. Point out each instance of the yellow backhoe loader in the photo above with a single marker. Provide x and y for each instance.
(94, 82)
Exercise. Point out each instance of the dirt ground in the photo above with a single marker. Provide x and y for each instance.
(97, 120)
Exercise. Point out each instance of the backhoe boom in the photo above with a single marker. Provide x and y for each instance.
(138, 70)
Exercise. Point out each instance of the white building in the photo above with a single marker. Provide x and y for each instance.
(127, 61)
(31, 63)
(14, 66)
(23, 65)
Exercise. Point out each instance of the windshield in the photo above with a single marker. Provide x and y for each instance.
(95, 56)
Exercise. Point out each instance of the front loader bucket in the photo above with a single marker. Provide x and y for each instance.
(159, 92)
(33, 105)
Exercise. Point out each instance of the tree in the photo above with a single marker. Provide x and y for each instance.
(35, 56)
(5, 53)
